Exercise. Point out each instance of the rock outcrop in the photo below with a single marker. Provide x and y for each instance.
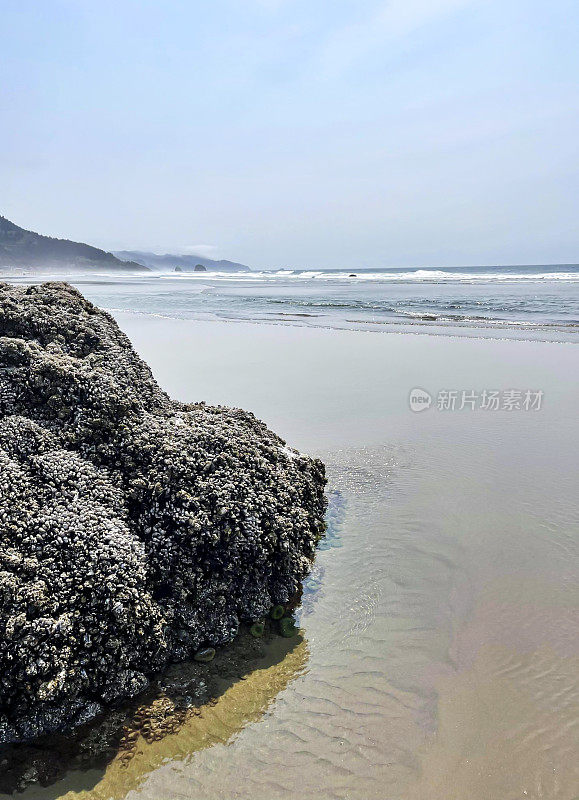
(133, 529)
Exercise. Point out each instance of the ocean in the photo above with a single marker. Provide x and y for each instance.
(526, 302)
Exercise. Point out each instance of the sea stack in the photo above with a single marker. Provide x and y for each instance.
(134, 530)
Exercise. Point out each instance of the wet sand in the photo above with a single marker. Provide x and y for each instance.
(438, 657)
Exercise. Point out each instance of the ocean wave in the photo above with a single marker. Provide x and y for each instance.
(369, 276)
(540, 301)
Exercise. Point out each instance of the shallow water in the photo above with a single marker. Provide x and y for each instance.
(439, 657)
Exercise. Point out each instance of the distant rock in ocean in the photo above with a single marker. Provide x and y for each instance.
(22, 248)
(196, 268)
(134, 530)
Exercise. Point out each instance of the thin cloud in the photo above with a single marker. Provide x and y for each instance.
(393, 21)
(206, 250)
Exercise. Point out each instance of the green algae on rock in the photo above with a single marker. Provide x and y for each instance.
(257, 629)
(277, 612)
(134, 530)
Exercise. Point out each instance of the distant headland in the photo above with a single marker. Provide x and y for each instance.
(26, 249)
(187, 263)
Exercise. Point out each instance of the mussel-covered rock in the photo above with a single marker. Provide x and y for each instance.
(134, 530)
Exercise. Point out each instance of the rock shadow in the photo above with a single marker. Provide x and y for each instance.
(190, 707)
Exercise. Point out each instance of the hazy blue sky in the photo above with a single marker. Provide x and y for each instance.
(295, 132)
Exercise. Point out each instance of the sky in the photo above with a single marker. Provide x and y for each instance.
(300, 133)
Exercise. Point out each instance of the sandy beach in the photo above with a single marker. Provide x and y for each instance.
(438, 659)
